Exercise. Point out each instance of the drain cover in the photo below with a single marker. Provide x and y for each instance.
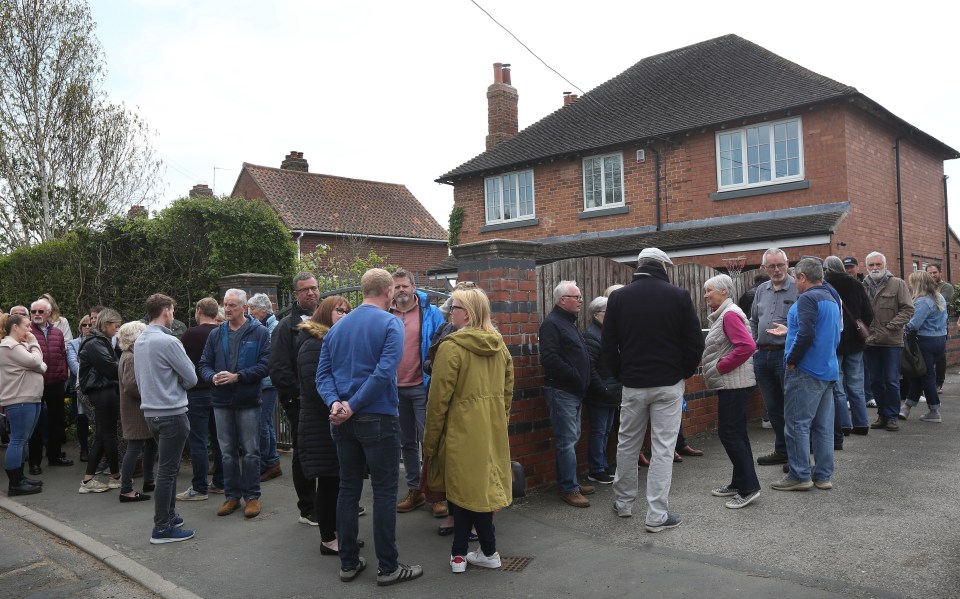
(514, 564)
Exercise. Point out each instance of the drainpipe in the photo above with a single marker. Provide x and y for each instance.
(946, 224)
(656, 154)
(298, 244)
(899, 206)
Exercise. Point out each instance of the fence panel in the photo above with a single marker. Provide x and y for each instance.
(593, 275)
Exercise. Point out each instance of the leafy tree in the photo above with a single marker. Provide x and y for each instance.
(68, 157)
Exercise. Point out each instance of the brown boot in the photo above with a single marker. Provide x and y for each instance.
(271, 473)
(229, 506)
(252, 509)
(440, 509)
(412, 501)
(575, 499)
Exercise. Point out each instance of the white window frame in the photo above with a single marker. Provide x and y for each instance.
(603, 182)
(498, 181)
(774, 180)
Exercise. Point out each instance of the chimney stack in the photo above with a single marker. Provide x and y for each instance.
(201, 190)
(137, 212)
(502, 114)
(569, 98)
(295, 162)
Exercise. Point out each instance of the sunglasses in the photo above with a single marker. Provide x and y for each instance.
(38, 311)
(341, 310)
(84, 326)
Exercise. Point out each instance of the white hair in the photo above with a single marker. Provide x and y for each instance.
(261, 301)
(561, 289)
(720, 282)
(772, 251)
(874, 255)
(41, 301)
(239, 293)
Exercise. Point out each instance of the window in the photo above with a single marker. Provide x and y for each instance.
(760, 155)
(509, 197)
(602, 181)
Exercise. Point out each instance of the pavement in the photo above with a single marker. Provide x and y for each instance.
(887, 529)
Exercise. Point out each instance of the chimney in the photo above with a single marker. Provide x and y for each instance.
(295, 162)
(201, 190)
(502, 99)
(137, 212)
(569, 98)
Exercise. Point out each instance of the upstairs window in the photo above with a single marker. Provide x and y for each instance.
(602, 181)
(759, 155)
(509, 197)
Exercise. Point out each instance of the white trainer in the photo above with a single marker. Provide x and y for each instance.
(477, 558)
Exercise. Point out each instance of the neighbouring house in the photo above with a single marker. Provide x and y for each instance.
(349, 216)
(715, 150)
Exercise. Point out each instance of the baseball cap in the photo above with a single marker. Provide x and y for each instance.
(850, 261)
(656, 254)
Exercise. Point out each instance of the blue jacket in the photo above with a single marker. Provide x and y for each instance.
(252, 365)
(927, 321)
(270, 324)
(431, 319)
(813, 333)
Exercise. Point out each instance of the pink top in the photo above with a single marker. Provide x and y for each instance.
(743, 345)
(410, 369)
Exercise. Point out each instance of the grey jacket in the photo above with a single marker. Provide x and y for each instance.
(163, 371)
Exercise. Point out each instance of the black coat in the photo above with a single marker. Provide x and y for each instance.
(856, 304)
(98, 365)
(563, 355)
(283, 354)
(604, 390)
(315, 446)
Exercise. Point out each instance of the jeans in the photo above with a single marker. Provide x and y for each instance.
(268, 433)
(23, 419)
(601, 420)
(809, 418)
(660, 406)
(238, 433)
(49, 430)
(368, 441)
(933, 349)
(202, 422)
(463, 521)
(134, 447)
(413, 413)
(732, 430)
(849, 388)
(565, 420)
(884, 366)
(170, 434)
(106, 416)
(306, 489)
(768, 370)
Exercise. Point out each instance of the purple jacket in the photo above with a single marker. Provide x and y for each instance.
(54, 353)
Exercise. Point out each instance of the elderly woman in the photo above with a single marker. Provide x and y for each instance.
(100, 382)
(929, 324)
(261, 308)
(603, 395)
(728, 369)
(134, 426)
(21, 370)
(465, 435)
(318, 452)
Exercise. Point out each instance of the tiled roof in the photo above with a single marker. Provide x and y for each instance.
(686, 238)
(315, 202)
(701, 85)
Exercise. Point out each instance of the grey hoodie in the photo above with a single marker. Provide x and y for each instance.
(164, 373)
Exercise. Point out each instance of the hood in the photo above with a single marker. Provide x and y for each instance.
(651, 270)
(314, 329)
(476, 341)
(253, 322)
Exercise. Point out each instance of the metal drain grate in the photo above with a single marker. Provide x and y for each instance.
(514, 564)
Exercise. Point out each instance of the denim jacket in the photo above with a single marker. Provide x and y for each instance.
(927, 320)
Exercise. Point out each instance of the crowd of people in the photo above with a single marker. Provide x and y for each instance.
(397, 379)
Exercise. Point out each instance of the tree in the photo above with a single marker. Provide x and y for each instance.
(68, 157)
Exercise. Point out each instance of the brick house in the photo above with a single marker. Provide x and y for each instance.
(349, 216)
(714, 150)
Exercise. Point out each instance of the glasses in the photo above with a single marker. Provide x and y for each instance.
(84, 326)
(313, 288)
(341, 310)
(38, 311)
(577, 298)
(458, 308)
(775, 266)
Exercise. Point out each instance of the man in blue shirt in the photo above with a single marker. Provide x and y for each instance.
(357, 378)
(813, 333)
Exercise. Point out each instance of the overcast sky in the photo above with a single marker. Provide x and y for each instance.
(395, 91)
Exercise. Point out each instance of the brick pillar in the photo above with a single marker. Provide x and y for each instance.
(507, 272)
(252, 283)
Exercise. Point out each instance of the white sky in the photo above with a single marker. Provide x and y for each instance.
(395, 91)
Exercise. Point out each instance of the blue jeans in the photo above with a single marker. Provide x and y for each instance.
(134, 448)
(808, 417)
(732, 430)
(768, 370)
(170, 433)
(201, 423)
(368, 441)
(238, 433)
(601, 420)
(932, 349)
(268, 434)
(413, 413)
(849, 389)
(565, 420)
(883, 364)
(23, 419)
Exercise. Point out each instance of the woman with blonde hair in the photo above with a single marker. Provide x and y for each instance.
(99, 380)
(929, 326)
(135, 430)
(465, 435)
(21, 370)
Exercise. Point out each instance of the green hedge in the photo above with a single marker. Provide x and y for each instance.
(182, 252)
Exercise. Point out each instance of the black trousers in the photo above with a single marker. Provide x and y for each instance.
(306, 488)
(53, 396)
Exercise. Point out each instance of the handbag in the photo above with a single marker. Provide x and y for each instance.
(911, 361)
(430, 472)
(863, 331)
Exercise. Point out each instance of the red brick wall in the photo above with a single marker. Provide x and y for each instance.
(412, 255)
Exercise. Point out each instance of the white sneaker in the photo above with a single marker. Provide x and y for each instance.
(872, 403)
(766, 424)
(113, 483)
(904, 411)
(191, 495)
(93, 486)
(477, 558)
(458, 564)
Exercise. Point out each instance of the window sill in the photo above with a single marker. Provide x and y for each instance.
(761, 190)
(622, 209)
(514, 224)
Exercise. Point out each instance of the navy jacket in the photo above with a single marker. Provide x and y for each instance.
(252, 365)
(563, 354)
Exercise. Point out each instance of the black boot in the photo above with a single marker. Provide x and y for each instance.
(18, 487)
(30, 481)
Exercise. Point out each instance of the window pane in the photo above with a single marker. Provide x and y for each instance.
(793, 130)
(510, 196)
(781, 168)
(493, 199)
(731, 152)
(793, 166)
(526, 193)
(614, 189)
(592, 182)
